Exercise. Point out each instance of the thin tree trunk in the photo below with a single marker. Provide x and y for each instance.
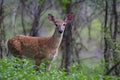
(12, 21)
(2, 31)
(89, 32)
(22, 15)
(115, 54)
(106, 54)
(111, 24)
(1, 26)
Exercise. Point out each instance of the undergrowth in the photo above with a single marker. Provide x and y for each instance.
(16, 69)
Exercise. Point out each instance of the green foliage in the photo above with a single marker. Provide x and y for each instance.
(40, 2)
(16, 69)
(111, 78)
(117, 50)
(63, 3)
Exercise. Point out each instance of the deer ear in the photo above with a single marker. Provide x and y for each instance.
(51, 17)
(68, 17)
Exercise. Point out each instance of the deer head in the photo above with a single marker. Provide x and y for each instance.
(60, 24)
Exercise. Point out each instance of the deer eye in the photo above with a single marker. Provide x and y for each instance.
(64, 24)
(55, 24)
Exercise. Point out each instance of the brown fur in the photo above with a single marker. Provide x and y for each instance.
(36, 48)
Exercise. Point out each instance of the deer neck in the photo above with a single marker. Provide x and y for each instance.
(56, 38)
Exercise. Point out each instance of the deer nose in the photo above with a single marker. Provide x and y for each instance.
(60, 31)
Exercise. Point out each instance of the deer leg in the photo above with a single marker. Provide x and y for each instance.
(48, 64)
(37, 63)
(17, 54)
(47, 67)
(9, 55)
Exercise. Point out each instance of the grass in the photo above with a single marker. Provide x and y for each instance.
(15, 69)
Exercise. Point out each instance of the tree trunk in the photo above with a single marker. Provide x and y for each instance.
(12, 21)
(106, 54)
(67, 42)
(22, 15)
(38, 8)
(35, 25)
(2, 31)
(115, 54)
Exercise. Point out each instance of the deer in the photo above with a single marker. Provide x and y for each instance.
(40, 48)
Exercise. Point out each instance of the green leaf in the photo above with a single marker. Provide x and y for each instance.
(63, 3)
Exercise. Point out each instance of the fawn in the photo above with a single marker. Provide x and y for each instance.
(40, 48)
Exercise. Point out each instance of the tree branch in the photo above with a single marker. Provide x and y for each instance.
(112, 68)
